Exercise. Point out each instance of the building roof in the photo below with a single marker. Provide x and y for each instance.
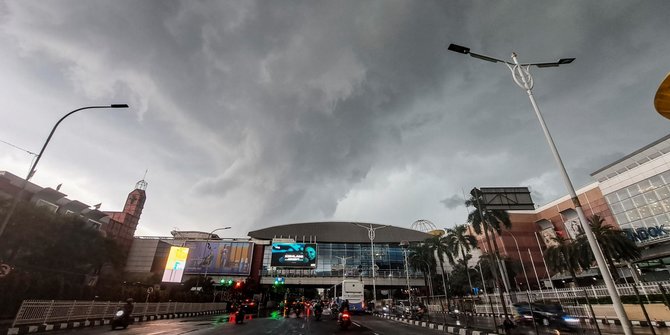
(339, 232)
(631, 155)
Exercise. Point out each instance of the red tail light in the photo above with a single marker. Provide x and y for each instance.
(345, 315)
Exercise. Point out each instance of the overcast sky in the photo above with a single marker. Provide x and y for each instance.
(252, 114)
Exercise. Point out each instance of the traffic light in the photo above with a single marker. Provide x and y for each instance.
(226, 282)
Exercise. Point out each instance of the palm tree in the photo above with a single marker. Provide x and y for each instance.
(483, 219)
(462, 242)
(441, 246)
(613, 243)
(565, 256)
(421, 258)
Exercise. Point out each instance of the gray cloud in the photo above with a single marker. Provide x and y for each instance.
(259, 113)
(453, 201)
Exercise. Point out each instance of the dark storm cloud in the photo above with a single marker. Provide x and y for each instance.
(264, 113)
(453, 201)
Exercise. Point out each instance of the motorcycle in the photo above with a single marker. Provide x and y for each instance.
(239, 316)
(120, 319)
(345, 320)
(317, 314)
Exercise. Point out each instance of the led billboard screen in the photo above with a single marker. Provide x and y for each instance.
(297, 255)
(174, 267)
(220, 258)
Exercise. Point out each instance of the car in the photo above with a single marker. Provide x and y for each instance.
(552, 316)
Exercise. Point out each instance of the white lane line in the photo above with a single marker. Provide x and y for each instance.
(355, 323)
(302, 326)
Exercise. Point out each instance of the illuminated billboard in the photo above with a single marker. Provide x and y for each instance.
(296, 255)
(174, 268)
(220, 258)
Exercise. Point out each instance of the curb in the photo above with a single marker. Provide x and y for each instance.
(605, 321)
(438, 326)
(29, 329)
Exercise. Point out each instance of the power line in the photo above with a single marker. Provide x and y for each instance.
(17, 147)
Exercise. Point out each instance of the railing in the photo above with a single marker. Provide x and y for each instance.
(350, 274)
(568, 294)
(50, 311)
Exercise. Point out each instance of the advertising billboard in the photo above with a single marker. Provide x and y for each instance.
(220, 258)
(295, 255)
(174, 267)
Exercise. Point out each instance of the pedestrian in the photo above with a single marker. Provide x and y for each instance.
(508, 325)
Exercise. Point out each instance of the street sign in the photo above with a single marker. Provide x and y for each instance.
(5, 269)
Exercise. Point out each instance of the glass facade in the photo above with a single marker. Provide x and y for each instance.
(389, 259)
(642, 209)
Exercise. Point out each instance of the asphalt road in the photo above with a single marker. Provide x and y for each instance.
(362, 325)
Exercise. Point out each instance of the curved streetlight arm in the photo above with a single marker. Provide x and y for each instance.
(53, 130)
(16, 199)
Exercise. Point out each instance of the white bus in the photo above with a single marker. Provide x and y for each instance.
(352, 290)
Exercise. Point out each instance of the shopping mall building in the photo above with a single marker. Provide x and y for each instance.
(632, 193)
(315, 254)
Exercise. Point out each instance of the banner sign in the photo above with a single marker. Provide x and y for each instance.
(220, 258)
(174, 267)
(645, 234)
(297, 255)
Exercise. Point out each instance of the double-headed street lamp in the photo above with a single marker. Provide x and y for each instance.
(371, 235)
(522, 77)
(405, 245)
(17, 198)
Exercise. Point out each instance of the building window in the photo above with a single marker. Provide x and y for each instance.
(45, 204)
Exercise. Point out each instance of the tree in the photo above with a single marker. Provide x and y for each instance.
(52, 255)
(483, 219)
(616, 247)
(495, 219)
(421, 258)
(565, 256)
(441, 246)
(462, 242)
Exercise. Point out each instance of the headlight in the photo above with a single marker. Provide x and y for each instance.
(119, 313)
(570, 319)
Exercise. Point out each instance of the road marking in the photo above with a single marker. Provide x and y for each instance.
(355, 323)
(302, 326)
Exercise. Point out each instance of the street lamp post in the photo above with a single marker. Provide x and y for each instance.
(209, 257)
(344, 266)
(371, 235)
(17, 198)
(405, 246)
(520, 259)
(522, 77)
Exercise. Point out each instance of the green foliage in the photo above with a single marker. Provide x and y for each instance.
(51, 256)
(616, 247)
(566, 255)
(494, 220)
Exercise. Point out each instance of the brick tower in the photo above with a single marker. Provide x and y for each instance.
(122, 225)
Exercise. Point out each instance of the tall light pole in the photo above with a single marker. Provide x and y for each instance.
(405, 245)
(522, 77)
(209, 257)
(17, 198)
(371, 235)
(520, 259)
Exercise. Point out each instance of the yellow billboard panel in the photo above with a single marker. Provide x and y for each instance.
(174, 267)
